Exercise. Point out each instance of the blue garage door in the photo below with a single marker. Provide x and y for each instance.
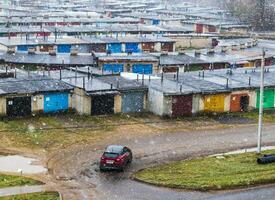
(132, 102)
(24, 47)
(64, 48)
(142, 68)
(116, 68)
(114, 47)
(56, 102)
(132, 47)
(155, 22)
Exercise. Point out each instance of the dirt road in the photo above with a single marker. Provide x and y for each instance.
(74, 171)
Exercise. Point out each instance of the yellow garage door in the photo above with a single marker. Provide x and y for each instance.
(214, 103)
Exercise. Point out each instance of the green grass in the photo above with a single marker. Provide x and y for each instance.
(210, 173)
(12, 181)
(54, 131)
(269, 115)
(34, 196)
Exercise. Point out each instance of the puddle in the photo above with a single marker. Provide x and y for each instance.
(16, 164)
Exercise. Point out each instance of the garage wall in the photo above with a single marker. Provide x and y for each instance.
(3, 106)
(196, 103)
(37, 103)
(167, 105)
(81, 102)
(117, 107)
(155, 101)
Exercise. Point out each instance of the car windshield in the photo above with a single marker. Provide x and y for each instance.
(111, 155)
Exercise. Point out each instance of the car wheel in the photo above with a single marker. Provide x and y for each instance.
(101, 169)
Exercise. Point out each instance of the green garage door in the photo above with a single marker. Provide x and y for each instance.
(268, 98)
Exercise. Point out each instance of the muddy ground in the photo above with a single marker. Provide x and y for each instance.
(73, 165)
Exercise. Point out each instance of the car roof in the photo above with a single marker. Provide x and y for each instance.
(114, 148)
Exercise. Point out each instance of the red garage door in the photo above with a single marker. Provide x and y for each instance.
(181, 105)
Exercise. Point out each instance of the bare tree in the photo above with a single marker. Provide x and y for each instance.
(259, 13)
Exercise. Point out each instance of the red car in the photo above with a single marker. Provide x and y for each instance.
(115, 157)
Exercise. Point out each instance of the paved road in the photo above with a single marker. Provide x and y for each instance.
(21, 190)
(173, 146)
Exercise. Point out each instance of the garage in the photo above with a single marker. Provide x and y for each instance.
(132, 102)
(239, 102)
(18, 106)
(56, 102)
(142, 68)
(182, 105)
(102, 104)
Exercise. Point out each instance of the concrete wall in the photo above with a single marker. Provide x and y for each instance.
(37, 103)
(167, 105)
(81, 102)
(3, 106)
(118, 103)
(192, 42)
(196, 103)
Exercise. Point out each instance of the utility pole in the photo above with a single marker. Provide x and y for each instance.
(260, 127)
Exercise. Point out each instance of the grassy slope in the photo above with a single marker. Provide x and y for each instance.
(10, 181)
(210, 173)
(34, 196)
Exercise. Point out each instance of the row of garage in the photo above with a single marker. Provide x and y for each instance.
(134, 102)
(135, 68)
(24, 105)
(20, 106)
(101, 48)
(238, 101)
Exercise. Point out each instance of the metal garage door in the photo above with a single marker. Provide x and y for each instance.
(102, 105)
(268, 98)
(142, 68)
(114, 47)
(181, 105)
(132, 102)
(56, 102)
(155, 22)
(19, 106)
(24, 47)
(64, 48)
(214, 103)
(116, 68)
(132, 47)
